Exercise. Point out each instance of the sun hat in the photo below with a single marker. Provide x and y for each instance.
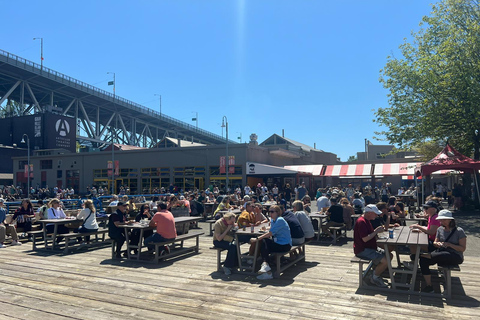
(445, 215)
(372, 208)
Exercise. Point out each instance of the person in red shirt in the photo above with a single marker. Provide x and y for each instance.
(165, 223)
(365, 243)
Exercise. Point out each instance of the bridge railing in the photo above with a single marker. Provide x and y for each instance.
(55, 75)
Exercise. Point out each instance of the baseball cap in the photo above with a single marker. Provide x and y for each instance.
(444, 215)
(372, 208)
(1, 200)
(431, 204)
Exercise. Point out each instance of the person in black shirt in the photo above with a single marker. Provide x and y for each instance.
(335, 212)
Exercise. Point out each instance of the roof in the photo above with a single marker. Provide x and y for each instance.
(449, 158)
(174, 142)
(290, 141)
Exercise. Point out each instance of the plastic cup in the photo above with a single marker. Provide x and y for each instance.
(390, 234)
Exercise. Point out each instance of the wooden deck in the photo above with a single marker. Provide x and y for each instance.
(89, 285)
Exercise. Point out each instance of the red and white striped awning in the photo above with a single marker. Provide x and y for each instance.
(395, 169)
(343, 170)
(313, 169)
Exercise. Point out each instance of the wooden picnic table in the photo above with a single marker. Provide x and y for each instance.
(322, 219)
(403, 236)
(257, 231)
(56, 223)
(142, 227)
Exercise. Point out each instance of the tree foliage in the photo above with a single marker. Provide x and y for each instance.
(434, 89)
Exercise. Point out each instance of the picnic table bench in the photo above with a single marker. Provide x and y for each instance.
(182, 249)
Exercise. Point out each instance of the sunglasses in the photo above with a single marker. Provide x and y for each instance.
(272, 211)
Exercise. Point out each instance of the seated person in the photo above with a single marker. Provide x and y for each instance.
(144, 213)
(431, 209)
(223, 238)
(165, 223)
(335, 212)
(114, 201)
(304, 220)
(6, 228)
(348, 211)
(384, 218)
(259, 216)
(296, 231)
(365, 243)
(223, 206)
(278, 239)
(56, 212)
(24, 216)
(115, 231)
(89, 219)
(307, 201)
(450, 242)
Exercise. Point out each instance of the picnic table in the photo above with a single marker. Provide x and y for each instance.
(322, 219)
(56, 223)
(403, 236)
(179, 221)
(257, 231)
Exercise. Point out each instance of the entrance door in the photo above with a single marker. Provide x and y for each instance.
(199, 183)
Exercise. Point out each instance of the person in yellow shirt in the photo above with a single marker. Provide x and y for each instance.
(247, 217)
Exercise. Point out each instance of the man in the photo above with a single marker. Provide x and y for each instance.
(247, 217)
(296, 231)
(247, 190)
(301, 191)
(323, 202)
(275, 192)
(336, 217)
(365, 243)
(115, 231)
(114, 201)
(6, 228)
(165, 223)
(304, 220)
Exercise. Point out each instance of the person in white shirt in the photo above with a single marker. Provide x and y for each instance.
(323, 202)
(247, 190)
(89, 218)
(56, 212)
(114, 201)
(304, 220)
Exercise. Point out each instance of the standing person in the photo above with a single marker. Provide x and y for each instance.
(115, 231)
(166, 231)
(24, 216)
(56, 212)
(223, 238)
(365, 243)
(275, 192)
(287, 193)
(6, 228)
(89, 218)
(450, 243)
(278, 239)
(301, 191)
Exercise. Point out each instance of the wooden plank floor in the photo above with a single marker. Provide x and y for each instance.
(89, 285)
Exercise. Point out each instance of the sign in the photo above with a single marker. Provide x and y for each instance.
(109, 167)
(231, 164)
(222, 165)
(117, 168)
(25, 173)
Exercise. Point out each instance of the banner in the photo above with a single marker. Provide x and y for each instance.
(231, 164)
(117, 168)
(110, 167)
(222, 165)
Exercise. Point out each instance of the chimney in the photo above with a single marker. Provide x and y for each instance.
(283, 133)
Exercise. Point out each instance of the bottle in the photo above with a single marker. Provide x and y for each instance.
(252, 228)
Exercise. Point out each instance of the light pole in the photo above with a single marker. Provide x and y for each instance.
(28, 162)
(195, 119)
(240, 137)
(159, 95)
(41, 52)
(110, 83)
(225, 125)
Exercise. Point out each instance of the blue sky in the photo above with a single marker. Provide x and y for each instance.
(308, 67)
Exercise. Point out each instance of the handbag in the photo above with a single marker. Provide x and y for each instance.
(446, 240)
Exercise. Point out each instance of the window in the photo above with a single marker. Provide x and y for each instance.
(46, 164)
(59, 174)
(381, 155)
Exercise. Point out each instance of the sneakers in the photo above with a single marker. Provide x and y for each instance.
(265, 276)
(227, 271)
(428, 289)
(16, 243)
(1, 245)
(265, 268)
(378, 282)
(408, 265)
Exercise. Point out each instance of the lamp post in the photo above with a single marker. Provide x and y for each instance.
(225, 125)
(28, 161)
(195, 119)
(110, 83)
(159, 95)
(41, 52)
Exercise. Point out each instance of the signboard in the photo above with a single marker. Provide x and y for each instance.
(117, 168)
(222, 165)
(110, 167)
(231, 164)
(60, 132)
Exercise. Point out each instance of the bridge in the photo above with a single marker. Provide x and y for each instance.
(100, 115)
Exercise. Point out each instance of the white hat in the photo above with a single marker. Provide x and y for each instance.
(445, 215)
(372, 208)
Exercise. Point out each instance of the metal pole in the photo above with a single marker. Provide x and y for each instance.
(113, 162)
(28, 170)
(196, 119)
(41, 53)
(226, 162)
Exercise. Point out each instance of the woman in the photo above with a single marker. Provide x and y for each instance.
(450, 242)
(144, 213)
(223, 238)
(278, 239)
(223, 206)
(348, 211)
(55, 212)
(24, 216)
(89, 220)
(307, 203)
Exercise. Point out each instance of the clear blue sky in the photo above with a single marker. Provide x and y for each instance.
(308, 67)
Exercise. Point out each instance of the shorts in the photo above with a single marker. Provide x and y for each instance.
(371, 254)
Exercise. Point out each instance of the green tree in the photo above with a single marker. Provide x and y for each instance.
(434, 89)
(352, 158)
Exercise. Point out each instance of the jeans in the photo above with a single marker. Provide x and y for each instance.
(155, 238)
(232, 257)
(60, 229)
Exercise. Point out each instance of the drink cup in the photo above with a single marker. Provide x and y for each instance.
(390, 234)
